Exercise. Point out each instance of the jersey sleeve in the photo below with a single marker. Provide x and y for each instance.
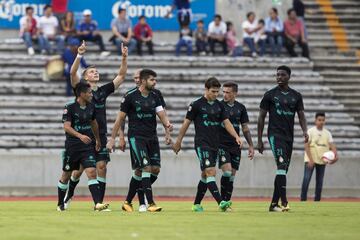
(244, 116)
(224, 113)
(66, 117)
(125, 104)
(162, 101)
(265, 102)
(108, 88)
(192, 111)
(330, 137)
(300, 104)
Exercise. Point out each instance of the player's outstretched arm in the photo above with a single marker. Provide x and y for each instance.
(230, 129)
(247, 135)
(95, 129)
(260, 126)
(303, 125)
(182, 132)
(119, 79)
(75, 66)
(117, 130)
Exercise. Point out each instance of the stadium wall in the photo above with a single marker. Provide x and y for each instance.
(37, 175)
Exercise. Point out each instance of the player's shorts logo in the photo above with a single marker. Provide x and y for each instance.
(67, 167)
(223, 158)
(207, 162)
(145, 161)
(281, 159)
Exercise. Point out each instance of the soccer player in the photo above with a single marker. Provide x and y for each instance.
(208, 114)
(282, 102)
(320, 141)
(142, 105)
(135, 182)
(229, 151)
(100, 94)
(81, 127)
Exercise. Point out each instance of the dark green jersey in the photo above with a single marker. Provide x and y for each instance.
(282, 107)
(237, 115)
(80, 118)
(207, 117)
(141, 112)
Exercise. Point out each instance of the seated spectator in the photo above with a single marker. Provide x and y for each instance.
(59, 8)
(122, 30)
(68, 57)
(67, 26)
(250, 30)
(294, 34)
(48, 29)
(185, 40)
(143, 34)
(260, 37)
(87, 31)
(274, 29)
(201, 38)
(233, 43)
(29, 29)
(216, 34)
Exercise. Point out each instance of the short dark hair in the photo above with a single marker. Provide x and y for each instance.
(232, 85)
(249, 14)
(200, 21)
(218, 16)
(29, 8)
(274, 10)
(86, 69)
(261, 21)
(290, 10)
(285, 68)
(121, 9)
(141, 17)
(47, 6)
(319, 114)
(81, 87)
(212, 82)
(228, 25)
(146, 73)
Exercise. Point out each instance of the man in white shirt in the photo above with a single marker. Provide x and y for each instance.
(250, 28)
(48, 29)
(217, 34)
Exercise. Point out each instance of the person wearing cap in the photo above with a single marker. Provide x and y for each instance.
(87, 31)
(68, 57)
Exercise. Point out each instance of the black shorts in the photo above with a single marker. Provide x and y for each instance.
(144, 152)
(103, 154)
(72, 159)
(282, 150)
(207, 156)
(230, 155)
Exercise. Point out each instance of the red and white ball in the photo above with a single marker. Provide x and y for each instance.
(328, 157)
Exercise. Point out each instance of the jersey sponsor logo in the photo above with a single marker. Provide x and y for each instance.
(99, 105)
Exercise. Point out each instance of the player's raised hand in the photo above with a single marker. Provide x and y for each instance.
(260, 146)
(176, 147)
(82, 48)
(124, 50)
(251, 153)
(122, 144)
(85, 139)
(110, 145)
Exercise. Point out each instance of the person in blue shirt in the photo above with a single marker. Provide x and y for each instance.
(87, 31)
(183, 11)
(274, 29)
(68, 57)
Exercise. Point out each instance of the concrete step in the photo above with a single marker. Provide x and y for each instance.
(324, 25)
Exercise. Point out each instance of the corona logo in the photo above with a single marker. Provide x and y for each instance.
(137, 10)
(10, 9)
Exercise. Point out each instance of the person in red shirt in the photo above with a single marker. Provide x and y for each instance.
(294, 34)
(59, 8)
(143, 34)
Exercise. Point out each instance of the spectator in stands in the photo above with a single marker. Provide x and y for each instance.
(29, 29)
(185, 40)
(67, 26)
(233, 43)
(250, 30)
(87, 31)
(59, 8)
(274, 29)
(294, 34)
(122, 30)
(200, 38)
(183, 12)
(68, 57)
(300, 9)
(48, 29)
(260, 37)
(217, 34)
(143, 34)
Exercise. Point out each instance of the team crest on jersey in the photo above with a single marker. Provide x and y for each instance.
(207, 162)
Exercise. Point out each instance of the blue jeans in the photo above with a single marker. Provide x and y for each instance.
(320, 172)
(44, 43)
(131, 45)
(27, 39)
(200, 46)
(184, 43)
(276, 43)
(250, 42)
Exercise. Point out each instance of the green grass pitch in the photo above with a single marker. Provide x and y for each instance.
(249, 220)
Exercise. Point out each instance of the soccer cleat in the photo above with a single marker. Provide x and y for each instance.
(197, 208)
(142, 208)
(105, 210)
(127, 207)
(275, 208)
(286, 207)
(67, 204)
(153, 208)
(229, 209)
(101, 207)
(224, 205)
(60, 208)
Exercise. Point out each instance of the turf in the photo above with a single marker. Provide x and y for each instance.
(249, 220)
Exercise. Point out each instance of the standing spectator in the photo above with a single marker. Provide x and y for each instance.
(320, 141)
(274, 29)
(200, 38)
(233, 43)
(294, 34)
(185, 40)
(143, 34)
(59, 8)
(183, 11)
(68, 57)
(122, 30)
(29, 29)
(300, 9)
(67, 26)
(48, 29)
(217, 34)
(87, 31)
(250, 28)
